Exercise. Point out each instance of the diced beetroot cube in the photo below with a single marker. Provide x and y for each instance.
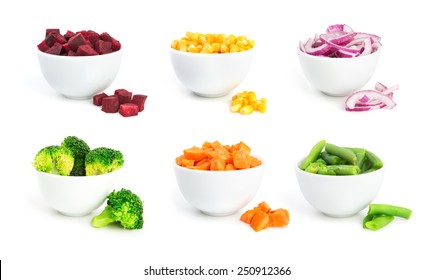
(59, 38)
(72, 53)
(55, 49)
(92, 36)
(69, 34)
(110, 104)
(105, 36)
(139, 100)
(43, 46)
(103, 47)
(50, 40)
(85, 50)
(83, 33)
(124, 95)
(76, 41)
(115, 45)
(97, 99)
(51, 30)
(66, 48)
(128, 109)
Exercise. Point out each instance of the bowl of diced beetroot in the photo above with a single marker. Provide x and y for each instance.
(79, 64)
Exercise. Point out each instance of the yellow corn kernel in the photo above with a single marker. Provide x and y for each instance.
(251, 43)
(237, 101)
(207, 48)
(175, 44)
(247, 109)
(261, 108)
(255, 104)
(192, 48)
(234, 48)
(263, 100)
(235, 108)
(210, 38)
(215, 47)
(231, 39)
(224, 48)
(252, 96)
(183, 45)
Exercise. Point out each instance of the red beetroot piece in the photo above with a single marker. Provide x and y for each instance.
(68, 35)
(124, 95)
(86, 50)
(115, 45)
(103, 47)
(43, 46)
(97, 99)
(51, 30)
(92, 37)
(128, 109)
(55, 49)
(76, 41)
(139, 100)
(110, 104)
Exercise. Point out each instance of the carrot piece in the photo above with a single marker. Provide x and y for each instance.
(207, 145)
(259, 221)
(241, 146)
(264, 207)
(240, 159)
(217, 164)
(187, 162)
(179, 160)
(230, 166)
(278, 218)
(204, 164)
(282, 211)
(248, 216)
(194, 153)
(254, 161)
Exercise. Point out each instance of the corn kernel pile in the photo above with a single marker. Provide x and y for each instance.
(246, 102)
(212, 43)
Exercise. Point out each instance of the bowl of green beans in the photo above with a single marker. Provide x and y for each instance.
(339, 181)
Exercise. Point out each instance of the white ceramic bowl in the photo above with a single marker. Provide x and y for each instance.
(80, 77)
(76, 195)
(211, 75)
(339, 196)
(219, 193)
(338, 76)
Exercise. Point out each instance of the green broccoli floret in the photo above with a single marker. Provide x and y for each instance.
(123, 207)
(55, 160)
(103, 160)
(79, 149)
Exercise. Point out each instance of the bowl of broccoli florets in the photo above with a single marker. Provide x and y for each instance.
(75, 179)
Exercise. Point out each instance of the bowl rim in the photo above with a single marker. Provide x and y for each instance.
(46, 174)
(66, 57)
(209, 54)
(299, 170)
(301, 53)
(261, 166)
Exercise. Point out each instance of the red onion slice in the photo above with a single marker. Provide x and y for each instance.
(365, 100)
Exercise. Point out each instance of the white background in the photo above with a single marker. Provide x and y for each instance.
(38, 243)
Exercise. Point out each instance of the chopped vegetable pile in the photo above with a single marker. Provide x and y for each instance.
(246, 102)
(75, 158)
(122, 101)
(217, 157)
(81, 43)
(341, 41)
(365, 100)
(212, 43)
(262, 217)
(329, 159)
(380, 215)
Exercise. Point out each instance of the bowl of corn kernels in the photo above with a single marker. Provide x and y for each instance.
(211, 65)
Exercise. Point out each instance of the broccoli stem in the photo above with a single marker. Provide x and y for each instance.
(104, 218)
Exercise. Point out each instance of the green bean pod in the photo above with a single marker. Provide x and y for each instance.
(390, 210)
(345, 169)
(376, 163)
(376, 222)
(360, 155)
(313, 168)
(321, 162)
(313, 155)
(332, 159)
(343, 153)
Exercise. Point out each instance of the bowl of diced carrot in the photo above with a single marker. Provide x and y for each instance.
(217, 179)
(211, 65)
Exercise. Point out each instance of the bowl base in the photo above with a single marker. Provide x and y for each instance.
(74, 214)
(211, 95)
(218, 214)
(339, 216)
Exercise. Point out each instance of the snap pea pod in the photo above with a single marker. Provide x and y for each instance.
(313, 155)
(375, 222)
(360, 155)
(390, 210)
(332, 159)
(376, 163)
(345, 169)
(343, 153)
(366, 166)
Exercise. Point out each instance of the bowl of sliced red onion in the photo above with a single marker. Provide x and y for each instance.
(340, 61)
